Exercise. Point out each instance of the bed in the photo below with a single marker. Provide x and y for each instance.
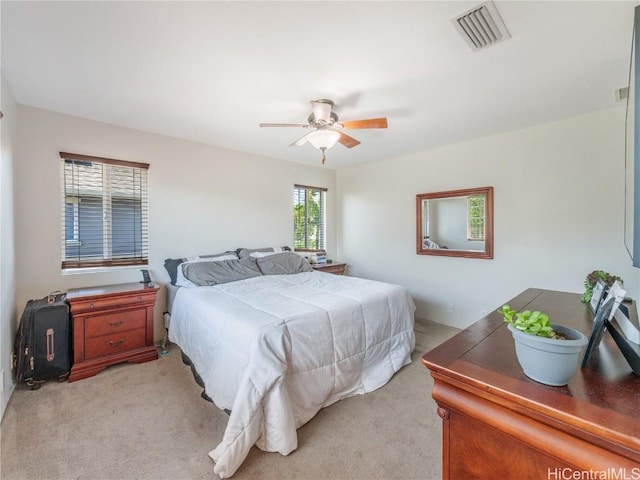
(275, 341)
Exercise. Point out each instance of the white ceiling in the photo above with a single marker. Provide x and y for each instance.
(212, 71)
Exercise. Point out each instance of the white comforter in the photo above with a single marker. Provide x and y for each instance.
(275, 349)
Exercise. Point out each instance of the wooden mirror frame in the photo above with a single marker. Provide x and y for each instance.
(488, 224)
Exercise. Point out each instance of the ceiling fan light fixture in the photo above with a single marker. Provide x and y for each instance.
(323, 138)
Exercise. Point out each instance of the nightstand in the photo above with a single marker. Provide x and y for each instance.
(338, 268)
(111, 324)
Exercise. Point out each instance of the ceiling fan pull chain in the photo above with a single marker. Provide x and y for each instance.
(323, 155)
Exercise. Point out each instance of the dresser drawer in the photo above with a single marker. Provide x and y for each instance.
(114, 323)
(114, 343)
(95, 304)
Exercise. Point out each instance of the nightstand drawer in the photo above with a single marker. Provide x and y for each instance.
(117, 342)
(94, 304)
(114, 323)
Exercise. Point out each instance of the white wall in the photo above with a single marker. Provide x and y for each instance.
(558, 210)
(203, 199)
(558, 187)
(7, 263)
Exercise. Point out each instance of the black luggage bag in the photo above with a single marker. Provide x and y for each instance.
(41, 346)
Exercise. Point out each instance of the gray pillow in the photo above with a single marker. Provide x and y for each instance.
(225, 271)
(285, 263)
(171, 264)
(245, 252)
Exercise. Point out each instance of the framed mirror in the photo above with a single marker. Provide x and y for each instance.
(455, 223)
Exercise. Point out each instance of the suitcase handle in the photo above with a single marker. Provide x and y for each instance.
(51, 298)
(50, 345)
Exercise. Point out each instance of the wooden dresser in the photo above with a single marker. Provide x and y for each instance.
(497, 423)
(111, 324)
(339, 268)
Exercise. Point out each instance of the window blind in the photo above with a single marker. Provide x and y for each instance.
(105, 212)
(309, 217)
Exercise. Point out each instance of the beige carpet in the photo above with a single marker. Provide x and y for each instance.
(148, 421)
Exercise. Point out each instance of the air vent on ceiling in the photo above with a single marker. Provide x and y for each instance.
(481, 26)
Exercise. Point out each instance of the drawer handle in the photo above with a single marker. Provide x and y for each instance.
(116, 344)
(116, 324)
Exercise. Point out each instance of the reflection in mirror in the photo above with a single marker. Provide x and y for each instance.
(455, 223)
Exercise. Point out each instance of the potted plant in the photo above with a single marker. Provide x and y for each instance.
(548, 353)
(591, 280)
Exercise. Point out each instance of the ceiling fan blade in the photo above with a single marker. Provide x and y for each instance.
(367, 123)
(299, 142)
(348, 141)
(304, 125)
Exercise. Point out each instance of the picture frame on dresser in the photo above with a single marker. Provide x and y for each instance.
(602, 322)
(599, 326)
(599, 291)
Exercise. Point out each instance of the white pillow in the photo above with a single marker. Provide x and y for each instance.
(262, 254)
(181, 281)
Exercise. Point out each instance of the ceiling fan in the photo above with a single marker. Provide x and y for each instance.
(327, 129)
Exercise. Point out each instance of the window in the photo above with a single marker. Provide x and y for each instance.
(105, 212)
(308, 218)
(475, 217)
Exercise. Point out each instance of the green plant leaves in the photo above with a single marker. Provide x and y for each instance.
(533, 323)
(508, 313)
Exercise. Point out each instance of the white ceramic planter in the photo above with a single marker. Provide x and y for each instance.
(547, 360)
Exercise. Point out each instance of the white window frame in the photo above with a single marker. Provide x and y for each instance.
(321, 243)
(107, 189)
